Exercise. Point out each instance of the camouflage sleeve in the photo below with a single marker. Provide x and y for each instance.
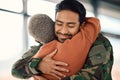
(20, 67)
(98, 64)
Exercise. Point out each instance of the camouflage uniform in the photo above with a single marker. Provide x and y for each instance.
(98, 64)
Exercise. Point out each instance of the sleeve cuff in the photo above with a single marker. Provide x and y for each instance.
(33, 65)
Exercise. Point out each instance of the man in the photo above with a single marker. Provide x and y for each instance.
(99, 70)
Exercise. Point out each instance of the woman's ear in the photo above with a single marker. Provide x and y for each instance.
(37, 41)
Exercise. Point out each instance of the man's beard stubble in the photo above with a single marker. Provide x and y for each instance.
(69, 36)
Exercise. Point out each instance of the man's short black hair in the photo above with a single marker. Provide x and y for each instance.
(72, 5)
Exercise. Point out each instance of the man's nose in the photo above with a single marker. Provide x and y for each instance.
(64, 30)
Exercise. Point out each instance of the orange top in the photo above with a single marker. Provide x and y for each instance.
(73, 51)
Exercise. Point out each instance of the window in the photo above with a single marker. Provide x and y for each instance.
(42, 7)
(11, 35)
(109, 24)
(10, 41)
(12, 5)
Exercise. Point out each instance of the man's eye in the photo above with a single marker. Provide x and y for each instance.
(71, 26)
(59, 24)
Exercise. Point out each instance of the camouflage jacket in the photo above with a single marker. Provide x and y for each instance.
(98, 64)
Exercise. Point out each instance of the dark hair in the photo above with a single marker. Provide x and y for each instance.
(72, 5)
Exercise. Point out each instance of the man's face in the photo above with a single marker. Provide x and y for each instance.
(66, 25)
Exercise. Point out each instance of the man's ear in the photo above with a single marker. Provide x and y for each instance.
(81, 25)
(84, 22)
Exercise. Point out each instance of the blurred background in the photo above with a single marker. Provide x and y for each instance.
(15, 39)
